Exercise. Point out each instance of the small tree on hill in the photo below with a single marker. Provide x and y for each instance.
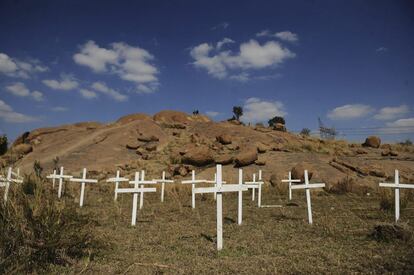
(277, 119)
(238, 112)
(3, 144)
(305, 132)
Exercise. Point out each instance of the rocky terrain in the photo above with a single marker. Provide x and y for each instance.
(177, 143)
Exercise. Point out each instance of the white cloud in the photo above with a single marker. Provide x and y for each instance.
(404, 122)
(19, 89)
(285, 35)
(222, 25)
(388, 113)
(350, 111)
(381, 50)
(8, 115)
(101, 87)
(257, 110)
(88, 94)
(129, 63)
(66, 83)
(251, 56)
(59, 109)
(16, 68)
(212, 113)
(223, 42)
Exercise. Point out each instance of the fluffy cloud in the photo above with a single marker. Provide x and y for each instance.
(19, 89)
(101, 87)
(212, 113)
(59, 109)
(285, 35)
(8, 115)
(129, 63)
(251, 56)
(257, 110)
(88, 94)
(350, 111)
(65, 83)
(404, 122)
(388, 113)
(17, 68)
(224, 42)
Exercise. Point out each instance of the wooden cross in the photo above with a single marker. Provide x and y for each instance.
(61, 178)
(193, 182)
(5, 182)
(397, 185)
(256, 185)
(307, 186)
(163, 181)
(137, 189)
(290, 181)
(53, 176)
(142, 182)
(83, 181)
(220, 189)
(17, 174)
(117, 180)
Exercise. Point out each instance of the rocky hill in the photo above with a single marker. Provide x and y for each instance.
(177, 143)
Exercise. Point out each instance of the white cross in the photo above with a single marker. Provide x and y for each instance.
(53, 176)
(308, 186)
(135, 191)
(256, 185)
(117, 180)
(5, 182)
(163, 181)
(219, 189)
(61, 178)
(193, 182)
(142, 182)
(83, 181)
(17, 174)
(397, 185)
(290, 181)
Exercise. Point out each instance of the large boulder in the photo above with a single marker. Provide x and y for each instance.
(279, 127)
(198, 156)
(372, 141)
(246, 157)
(22, 149)
(298, 172)
(132, 117)
(224, 139)
(21, 139)
(147, 138)
(224, 159)
(262, 148)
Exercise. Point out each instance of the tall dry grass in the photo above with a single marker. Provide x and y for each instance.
(38, 231)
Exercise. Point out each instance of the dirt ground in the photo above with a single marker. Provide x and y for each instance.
(173, 238)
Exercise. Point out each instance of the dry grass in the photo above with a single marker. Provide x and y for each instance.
(345, 185)
(37, 231)
(173, 238)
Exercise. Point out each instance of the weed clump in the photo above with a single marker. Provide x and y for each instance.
(38, 231)
(345, 185)
(387, 232)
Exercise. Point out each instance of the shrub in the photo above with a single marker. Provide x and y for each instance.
(275, 120)
(238, 112)
(37, 231)
(387, 199)
(345, 185)
(38, 169)
(407, 142)
(305, 132)
(3, 144)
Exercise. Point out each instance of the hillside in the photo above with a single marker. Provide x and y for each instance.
(177, 143)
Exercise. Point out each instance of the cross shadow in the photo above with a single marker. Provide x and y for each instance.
(207, 237)
(228, 220)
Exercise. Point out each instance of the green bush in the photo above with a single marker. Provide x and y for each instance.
(3, 144)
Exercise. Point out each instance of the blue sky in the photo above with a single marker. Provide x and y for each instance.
(348, 62)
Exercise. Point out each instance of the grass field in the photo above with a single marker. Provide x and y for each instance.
(171, 237)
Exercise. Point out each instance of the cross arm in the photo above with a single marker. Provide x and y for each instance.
(117, 179)
(401, 185)
(192, 181)
(291, 180)
(136, 190)
(308, 186)
(84, 180)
